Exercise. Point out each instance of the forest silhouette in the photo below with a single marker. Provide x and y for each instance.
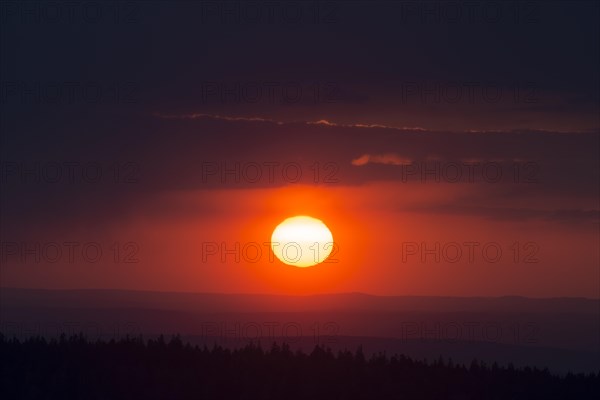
(132, 367)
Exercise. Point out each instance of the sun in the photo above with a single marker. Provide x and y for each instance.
(302, 241)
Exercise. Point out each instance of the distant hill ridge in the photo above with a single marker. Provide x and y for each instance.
(220, 302)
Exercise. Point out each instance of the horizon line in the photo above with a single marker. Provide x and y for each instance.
(293, 295)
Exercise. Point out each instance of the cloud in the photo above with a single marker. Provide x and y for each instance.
(216, 116)
(322, 122)
(360, 125)
(387, 159)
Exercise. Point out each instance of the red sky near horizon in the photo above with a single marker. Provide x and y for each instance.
(393, 238)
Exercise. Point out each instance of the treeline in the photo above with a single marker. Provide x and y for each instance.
(133, 368)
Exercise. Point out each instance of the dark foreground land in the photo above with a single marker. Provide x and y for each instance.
(558, 333)
(75, 368)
